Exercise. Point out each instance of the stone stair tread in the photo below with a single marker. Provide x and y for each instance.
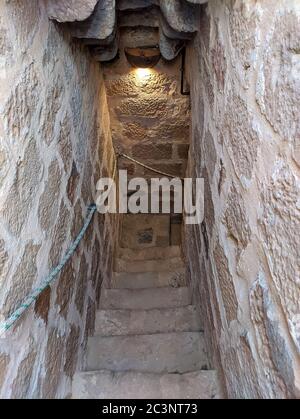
(135, 385)
(149, 253)
(150, 265)
(136, 280)
(145, 299)
(135, 322)
(164, 352)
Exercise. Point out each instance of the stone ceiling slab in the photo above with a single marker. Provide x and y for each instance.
(149, 18)
(124, 5)
(169, 48)
(104, 54)
(181, 16)
(197, 1)
(97, 23)
(100, 25)
(171, 33)
(70, 10)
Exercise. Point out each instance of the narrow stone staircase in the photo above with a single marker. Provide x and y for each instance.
(148, 342)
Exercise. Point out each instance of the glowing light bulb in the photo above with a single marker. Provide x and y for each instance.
(143, 73)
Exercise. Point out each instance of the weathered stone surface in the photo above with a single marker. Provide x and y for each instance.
(180, 15)
(81, 280)
(147, 110)
(59, 236)
(235, 219)
(150, 19)
(226, 284)
(5, 42)
(77, 220)
(131, 85)
(49, 200)
(53, 364)
(163, 151)
(128, 385)
(150, 107)
(87, 184)
(139, 322)
(53, 111)
(278, 89)
(76, 104)
(96, 261)
(210, 153)
(135, 37)
(65, 143)
(20, 108)
(100, 25)
(21, 383)
(25, 19)
(73, 183)
(209, 210)
(106, 53)
(182, 151)
(171, 33)
(175, 169)
(165, 130)
(4, 163)
(280, 225)
(240, 138)
(23, 189)
(169, 48)
(70, 10)
(72, 347)
(242, 358)
(4, 363)
(197, 1)
(42, 305)
(242, 25)
(90, 318)
(219, 64)
(276, 387)
(65, 289)
(3, 261)
(179, 352)
(135, 4)
(23, 278)
(243, 94)
(50, 110)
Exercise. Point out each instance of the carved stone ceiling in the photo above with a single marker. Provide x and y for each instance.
(98, 23)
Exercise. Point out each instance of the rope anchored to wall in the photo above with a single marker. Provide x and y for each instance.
(120, 154)
(8, 323)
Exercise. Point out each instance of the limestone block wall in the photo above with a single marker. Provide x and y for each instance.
(149, 117)
(54, 144)
(244, 258)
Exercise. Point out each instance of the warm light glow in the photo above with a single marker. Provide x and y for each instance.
(143, 73)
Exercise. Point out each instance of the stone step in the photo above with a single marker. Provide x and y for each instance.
(137, 280)
(144, 299)
(152, 265)
(160, 353)
(149, 253)
(138, 322)
(134, 385)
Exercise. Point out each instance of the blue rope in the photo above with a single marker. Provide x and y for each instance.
(7, 324)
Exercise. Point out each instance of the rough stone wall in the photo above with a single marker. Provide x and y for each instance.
(149, 117)
(54, 144)
(244, 258)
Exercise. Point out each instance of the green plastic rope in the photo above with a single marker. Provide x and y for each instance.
(8, 323)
